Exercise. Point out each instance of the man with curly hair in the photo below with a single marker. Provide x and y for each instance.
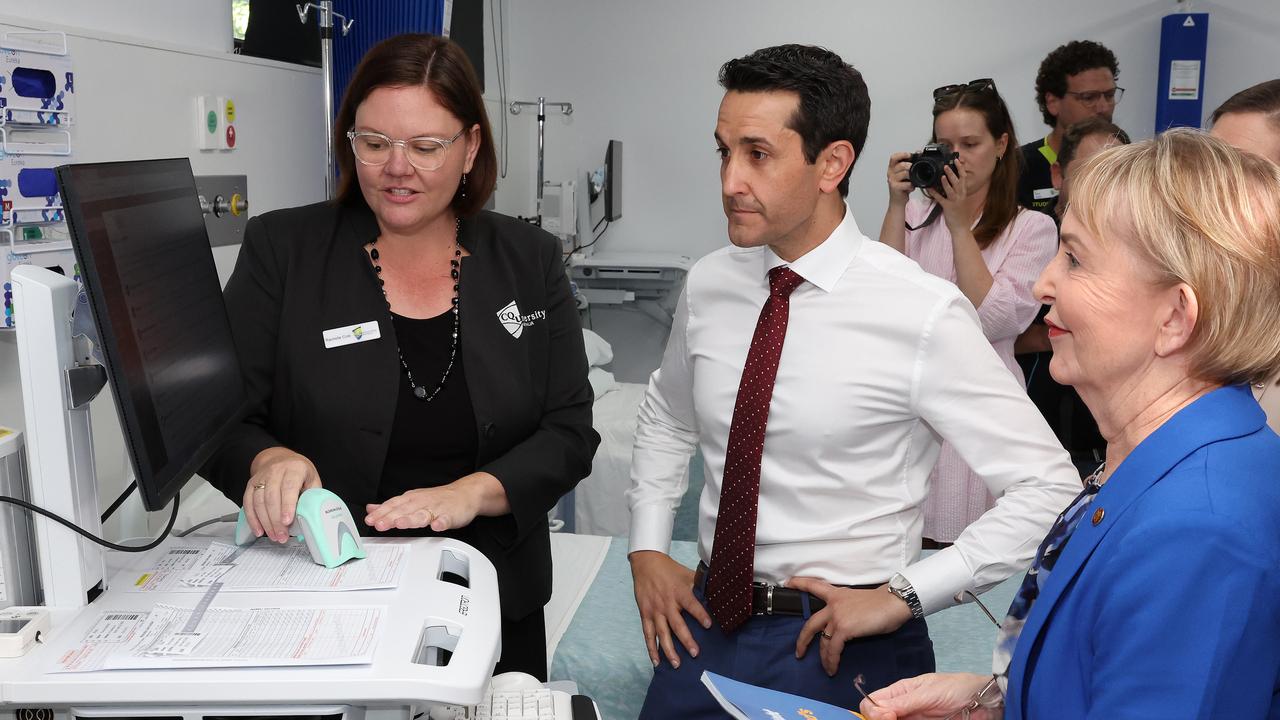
(1076, 81)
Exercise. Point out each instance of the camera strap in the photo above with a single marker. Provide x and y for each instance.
(933, 215)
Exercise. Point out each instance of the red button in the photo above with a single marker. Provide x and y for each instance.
(231, 136)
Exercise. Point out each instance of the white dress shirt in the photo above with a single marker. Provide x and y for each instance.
(1015, 259)
(881, 362)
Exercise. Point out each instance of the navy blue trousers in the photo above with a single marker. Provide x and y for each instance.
(763, 652)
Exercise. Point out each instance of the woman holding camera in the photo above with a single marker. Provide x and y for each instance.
(986, 244)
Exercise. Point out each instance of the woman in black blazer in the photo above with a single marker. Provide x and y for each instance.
(416, 355)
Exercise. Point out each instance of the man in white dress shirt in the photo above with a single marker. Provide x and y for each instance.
(858, 365)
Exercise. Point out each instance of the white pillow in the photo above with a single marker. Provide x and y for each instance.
(601, 382)
(599, 352)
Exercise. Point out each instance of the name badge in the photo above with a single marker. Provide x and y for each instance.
(351, 334)
(1045, 193)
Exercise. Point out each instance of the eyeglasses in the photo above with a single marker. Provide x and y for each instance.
(960, 599)
(1110, 97)
(857, 685)
(424, 153)
(974, 86)
(980, 698)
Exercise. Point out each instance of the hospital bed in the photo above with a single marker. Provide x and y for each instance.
(599, 505)
(593, 627)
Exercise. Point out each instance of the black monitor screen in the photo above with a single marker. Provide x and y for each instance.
(147, 266)
(613, 181)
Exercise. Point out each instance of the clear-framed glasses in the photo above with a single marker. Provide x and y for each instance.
(989, 695)
(960, 598)
(1092, 97)
(424, 153)
(858, 682)
(973, 86)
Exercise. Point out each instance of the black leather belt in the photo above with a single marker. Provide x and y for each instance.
(775, 599)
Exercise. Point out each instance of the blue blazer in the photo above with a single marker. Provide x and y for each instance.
(1166, 601)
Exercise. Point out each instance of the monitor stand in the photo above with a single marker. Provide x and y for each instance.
(58, 382)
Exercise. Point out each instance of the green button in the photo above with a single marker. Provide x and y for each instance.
(211, 121)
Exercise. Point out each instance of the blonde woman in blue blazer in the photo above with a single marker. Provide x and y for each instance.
(1157, 592)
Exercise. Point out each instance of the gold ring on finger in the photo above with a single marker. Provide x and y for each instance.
(259, 486)
(826, 634)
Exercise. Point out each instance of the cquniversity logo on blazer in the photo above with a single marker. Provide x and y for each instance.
(514, 322)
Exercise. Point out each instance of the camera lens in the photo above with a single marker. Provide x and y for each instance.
(924, 174)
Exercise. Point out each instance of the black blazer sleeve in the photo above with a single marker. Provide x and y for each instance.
(537, 471)
(254, 299)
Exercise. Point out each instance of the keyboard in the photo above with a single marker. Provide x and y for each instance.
(534, 702)
(526, 704)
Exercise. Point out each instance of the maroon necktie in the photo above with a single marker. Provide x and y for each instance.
(734, 548)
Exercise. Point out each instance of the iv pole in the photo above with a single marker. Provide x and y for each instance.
(325, 15)
(565, 108)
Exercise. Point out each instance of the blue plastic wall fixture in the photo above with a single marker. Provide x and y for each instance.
(34, 82)
(1184, 43)
(37, 182)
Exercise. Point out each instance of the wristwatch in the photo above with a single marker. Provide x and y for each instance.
(901, 587)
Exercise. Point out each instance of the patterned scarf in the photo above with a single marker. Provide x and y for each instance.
(1038, 576)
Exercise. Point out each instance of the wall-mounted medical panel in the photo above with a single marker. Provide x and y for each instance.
(56, 256)
(37, 104)
(29, 190)
(36, 89)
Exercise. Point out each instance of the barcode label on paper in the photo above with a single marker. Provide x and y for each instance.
(115, 627)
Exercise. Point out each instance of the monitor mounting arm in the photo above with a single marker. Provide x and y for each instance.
(57, 385)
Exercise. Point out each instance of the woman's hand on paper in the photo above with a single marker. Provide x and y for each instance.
(277, 476)
(441, 508)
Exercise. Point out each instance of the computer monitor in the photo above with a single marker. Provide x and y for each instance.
(613, 181)
(162, 326)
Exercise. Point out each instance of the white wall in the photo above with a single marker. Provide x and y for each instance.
(136, 84)
(195, 24)
(645, 73)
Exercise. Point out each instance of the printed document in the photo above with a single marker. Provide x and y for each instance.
(267, 566)
(174, 637)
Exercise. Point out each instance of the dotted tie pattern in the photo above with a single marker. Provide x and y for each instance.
(734, 547)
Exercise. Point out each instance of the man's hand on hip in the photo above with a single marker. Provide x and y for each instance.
(663, 588)
(849, 614)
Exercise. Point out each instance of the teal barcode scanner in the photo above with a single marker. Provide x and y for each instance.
(321, 520)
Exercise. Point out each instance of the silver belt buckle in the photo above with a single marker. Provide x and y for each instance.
(768, 600)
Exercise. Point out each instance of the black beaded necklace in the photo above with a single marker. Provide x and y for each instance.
(419, 391)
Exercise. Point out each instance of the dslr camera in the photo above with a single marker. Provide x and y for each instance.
(927, 166)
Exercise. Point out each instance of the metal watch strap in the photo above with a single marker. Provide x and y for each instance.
(908, 595)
